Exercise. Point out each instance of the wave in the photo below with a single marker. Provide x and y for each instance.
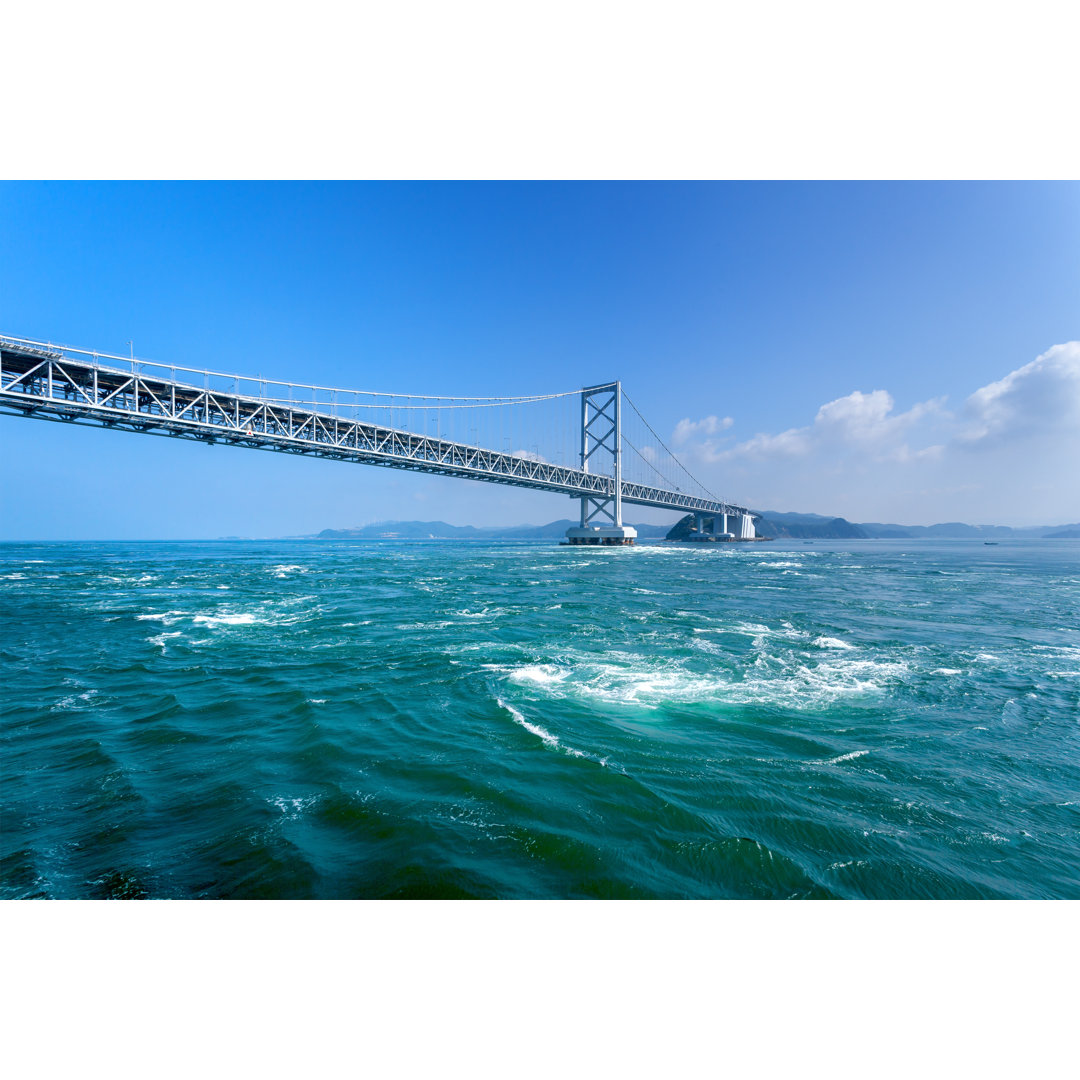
(831, 643)
(160, 640)
(76, 702)
(266, 616)
(538, 674)
(770, 679)
(243, 618)
(167, 617)
(843, 757)
(543, 735)
(293, 808)
(484, 613)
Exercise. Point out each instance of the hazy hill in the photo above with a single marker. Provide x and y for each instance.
(812, 525)
(959, 530)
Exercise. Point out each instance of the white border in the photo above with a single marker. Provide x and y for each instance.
(581, 89)
(570, 989)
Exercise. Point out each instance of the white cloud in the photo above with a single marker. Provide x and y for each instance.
(794, 442)
(858, 412)
(860, 421)
(686, 429)
(1012, 451)
(1041, 398)
(867, 418)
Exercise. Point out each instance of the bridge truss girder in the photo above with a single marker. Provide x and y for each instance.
(50, 385)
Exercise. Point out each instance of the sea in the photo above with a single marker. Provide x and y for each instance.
(392, 719)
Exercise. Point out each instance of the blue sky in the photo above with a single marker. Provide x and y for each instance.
(854, 334)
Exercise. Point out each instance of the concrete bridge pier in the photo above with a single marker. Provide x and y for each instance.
(601, 534)
(715, 527)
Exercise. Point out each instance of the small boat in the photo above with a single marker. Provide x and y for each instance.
(990, 543)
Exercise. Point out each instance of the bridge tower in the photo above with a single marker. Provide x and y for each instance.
(601, 433)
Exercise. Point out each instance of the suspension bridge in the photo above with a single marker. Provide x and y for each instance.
(592, 444)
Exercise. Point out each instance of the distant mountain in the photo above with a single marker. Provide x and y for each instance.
(822, 528)
(405, 530)
(959, 530)
(795, 519)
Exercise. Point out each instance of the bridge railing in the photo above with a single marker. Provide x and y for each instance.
(331, 400)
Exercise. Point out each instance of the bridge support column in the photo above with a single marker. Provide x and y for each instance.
(601, 431)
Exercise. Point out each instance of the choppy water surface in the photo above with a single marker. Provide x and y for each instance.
(343, 719)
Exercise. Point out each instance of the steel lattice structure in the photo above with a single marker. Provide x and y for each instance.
(69, 385)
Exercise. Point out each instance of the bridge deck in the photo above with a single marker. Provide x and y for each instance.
(55, 385)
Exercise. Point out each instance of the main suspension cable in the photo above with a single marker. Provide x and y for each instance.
(668, 449)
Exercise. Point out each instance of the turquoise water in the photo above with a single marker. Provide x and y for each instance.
(381, 719)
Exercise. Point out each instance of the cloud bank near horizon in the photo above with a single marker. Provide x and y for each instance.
(1009, 454)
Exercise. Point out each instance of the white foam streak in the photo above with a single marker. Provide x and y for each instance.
(286, 571)
(167, 617)
(244, 618)
(538, 674)
(831, 643)
(545, 736)
(788, 678)
(293, 808)
(843, 757)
